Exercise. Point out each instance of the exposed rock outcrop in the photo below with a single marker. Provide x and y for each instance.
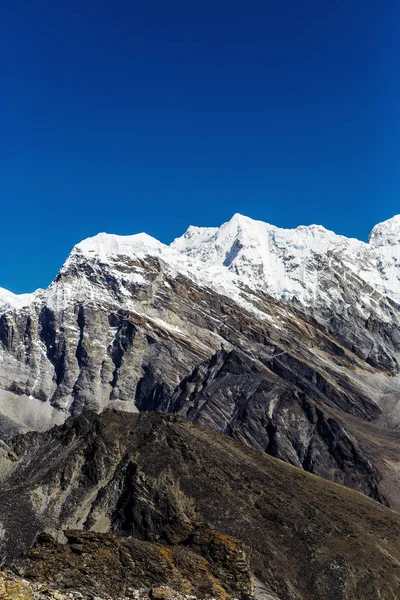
(208, 565)
(169, 482)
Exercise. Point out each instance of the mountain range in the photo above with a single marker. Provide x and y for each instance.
(287, 341)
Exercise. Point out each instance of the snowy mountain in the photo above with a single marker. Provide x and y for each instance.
(286, 339)
(308, 269)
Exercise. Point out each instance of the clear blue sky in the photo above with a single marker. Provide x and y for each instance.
(150, 115)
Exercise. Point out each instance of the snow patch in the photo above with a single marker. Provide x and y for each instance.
(10, 301)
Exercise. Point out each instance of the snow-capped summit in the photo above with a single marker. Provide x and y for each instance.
(386, 233)
(243, 241)
(294, 263)
(105, 245)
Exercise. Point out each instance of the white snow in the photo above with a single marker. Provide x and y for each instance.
(105, 245)
(386, 233)
(289, 263)
(308, 263)
(10, 301)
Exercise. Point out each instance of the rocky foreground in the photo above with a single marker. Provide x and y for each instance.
(208, 565)
(13, 587)
(112, 503)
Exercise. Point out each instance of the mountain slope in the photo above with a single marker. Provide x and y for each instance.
(158, 477)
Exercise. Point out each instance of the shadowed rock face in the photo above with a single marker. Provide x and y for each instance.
(165, 480)
(236, 396)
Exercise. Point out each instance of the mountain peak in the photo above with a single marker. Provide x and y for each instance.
(386, 233)
(104, 245)
(239, 219)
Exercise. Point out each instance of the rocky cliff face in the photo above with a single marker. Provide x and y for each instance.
(287, 340)
(159, 499)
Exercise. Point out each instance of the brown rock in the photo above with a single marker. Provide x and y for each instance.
(162, 593)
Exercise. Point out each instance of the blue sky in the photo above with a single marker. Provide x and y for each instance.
(151, 115)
